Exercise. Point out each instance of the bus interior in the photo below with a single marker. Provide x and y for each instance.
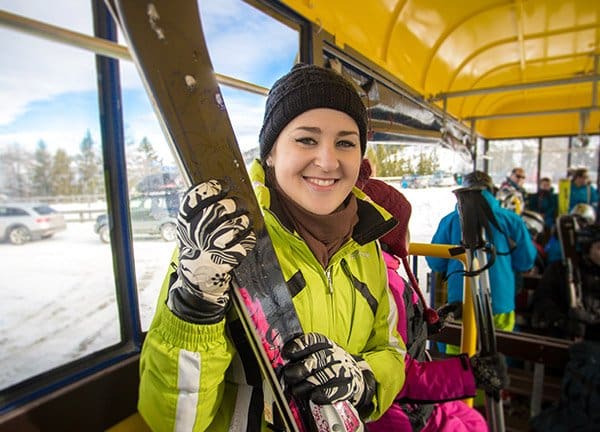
(485, 85)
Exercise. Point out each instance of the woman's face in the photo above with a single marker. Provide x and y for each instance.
(316, 159)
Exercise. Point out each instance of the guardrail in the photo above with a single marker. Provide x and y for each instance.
(83, 215)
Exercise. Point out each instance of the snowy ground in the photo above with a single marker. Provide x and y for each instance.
(58, 295)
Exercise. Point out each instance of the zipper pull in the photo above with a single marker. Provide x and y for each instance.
(329, 282)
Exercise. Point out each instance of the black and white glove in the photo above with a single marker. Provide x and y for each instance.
(325, 373)
(450, 312)
(213, 235)
(490, 373)
(445, 314)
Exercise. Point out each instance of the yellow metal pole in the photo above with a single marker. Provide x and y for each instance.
(468, 338)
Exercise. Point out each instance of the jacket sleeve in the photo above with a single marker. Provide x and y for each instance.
(438, 380)
(385, 349)
(594, 197)
(443, 235)
(182, 371)
(523, 257)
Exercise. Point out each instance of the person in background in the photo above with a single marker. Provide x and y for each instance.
(429, 399)
(544, 201)
(582, 192)
(194, 371)
(551, 301)
(511, 193)
(515, 253)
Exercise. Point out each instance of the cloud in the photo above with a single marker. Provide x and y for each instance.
(37, 73)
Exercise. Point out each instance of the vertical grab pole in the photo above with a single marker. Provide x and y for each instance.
(468, 336)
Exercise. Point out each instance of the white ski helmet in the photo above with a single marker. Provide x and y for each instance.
(534, 222)
(585, 212)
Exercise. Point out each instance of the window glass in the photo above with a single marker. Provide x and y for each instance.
(154, 181)
(426, 174)
(504, 155)
(44, 210)
(74, 15)
(57, 285)
(554, 159)
(584, 154)
(237, 35)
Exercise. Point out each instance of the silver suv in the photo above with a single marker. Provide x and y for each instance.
(151, 215)
(22, 222)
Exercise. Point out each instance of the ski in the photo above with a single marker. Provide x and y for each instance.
(567, 235)
(476, 220)
(167, 43)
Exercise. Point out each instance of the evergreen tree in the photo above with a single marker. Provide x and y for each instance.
(151, 162)
(89, 168)
(143, 164)
(62, 175)
(41, 176)
(388, 156)
(427, 163)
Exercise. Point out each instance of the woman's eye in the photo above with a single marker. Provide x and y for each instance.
(306, 141)
(346, 144)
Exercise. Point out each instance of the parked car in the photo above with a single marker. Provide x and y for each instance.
(22, 222)
(443, 179)
(151, 215)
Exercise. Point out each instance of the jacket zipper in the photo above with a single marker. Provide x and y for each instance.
(329, 281)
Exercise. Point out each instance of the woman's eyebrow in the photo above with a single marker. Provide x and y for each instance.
(309, 129)
(317, 130)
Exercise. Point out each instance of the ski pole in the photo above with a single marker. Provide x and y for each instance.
(566, 228)
(476, 219)
(494, 406)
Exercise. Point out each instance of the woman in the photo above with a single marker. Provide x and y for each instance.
(193, 377)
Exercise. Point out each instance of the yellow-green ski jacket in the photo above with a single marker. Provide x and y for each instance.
(194, 379)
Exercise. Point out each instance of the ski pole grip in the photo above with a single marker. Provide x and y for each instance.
(469, 200)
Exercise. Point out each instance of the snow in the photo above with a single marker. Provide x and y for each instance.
(58, 295)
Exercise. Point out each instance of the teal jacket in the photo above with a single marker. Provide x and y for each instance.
(586, 194)
(194, 379)
(512, 257)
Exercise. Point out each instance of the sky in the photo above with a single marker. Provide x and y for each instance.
(49, 89)
(58, 295)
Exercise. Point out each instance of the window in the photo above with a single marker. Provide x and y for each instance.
(51, 153)
(504, 155)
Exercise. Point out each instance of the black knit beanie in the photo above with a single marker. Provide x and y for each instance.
(304, 88)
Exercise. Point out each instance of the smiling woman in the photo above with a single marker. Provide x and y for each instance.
(448, 87)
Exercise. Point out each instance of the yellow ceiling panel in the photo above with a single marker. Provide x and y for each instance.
(441, 47)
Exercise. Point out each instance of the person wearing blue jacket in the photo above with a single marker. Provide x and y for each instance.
(545, 201)
(514, 248)
(581, 190)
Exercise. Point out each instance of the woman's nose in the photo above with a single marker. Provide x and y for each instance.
(326, 157)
